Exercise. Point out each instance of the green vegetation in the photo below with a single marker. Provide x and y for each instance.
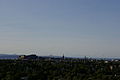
(59, 70)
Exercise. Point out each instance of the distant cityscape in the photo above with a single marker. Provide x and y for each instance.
(35, 57)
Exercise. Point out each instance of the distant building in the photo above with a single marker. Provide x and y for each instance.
(22, 57)
(33, 56)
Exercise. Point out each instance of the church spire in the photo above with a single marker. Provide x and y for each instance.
(63, 56)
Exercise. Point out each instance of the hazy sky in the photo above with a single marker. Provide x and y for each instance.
(53, 27)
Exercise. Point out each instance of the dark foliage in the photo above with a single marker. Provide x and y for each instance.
(68, 69)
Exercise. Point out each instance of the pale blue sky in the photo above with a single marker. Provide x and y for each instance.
(53, 27)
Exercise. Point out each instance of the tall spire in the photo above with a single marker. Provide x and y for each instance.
(63, 56)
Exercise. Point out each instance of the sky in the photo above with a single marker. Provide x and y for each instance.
(74, 28)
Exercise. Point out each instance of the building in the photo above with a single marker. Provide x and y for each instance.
(23, 57)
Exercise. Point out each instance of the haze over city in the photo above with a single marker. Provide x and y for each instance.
(56, 27)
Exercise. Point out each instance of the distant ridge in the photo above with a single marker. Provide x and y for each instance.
(8, 56)
(15, 56)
